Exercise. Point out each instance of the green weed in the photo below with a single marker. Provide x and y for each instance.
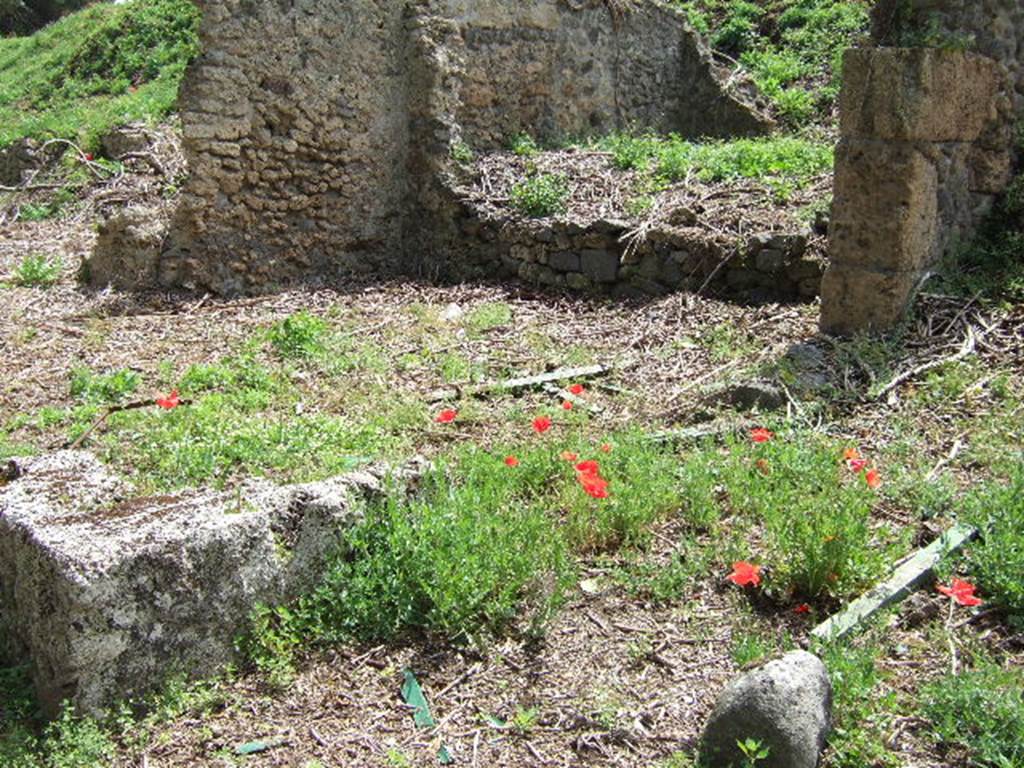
(524, 145)
(980, 712)
(37, 271)
(541, 195)
(103, 388)
(997, 560)
(298, 336)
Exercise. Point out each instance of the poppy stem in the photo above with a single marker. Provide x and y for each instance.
(949, 638)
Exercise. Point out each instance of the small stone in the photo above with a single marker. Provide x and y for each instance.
(682, 216)
(452, 313)
(771, 260)
(600, 266)
(754, 394)
(785, 705)
(564, 261)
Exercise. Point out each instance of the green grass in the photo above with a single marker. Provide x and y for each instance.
(99, 67)
(784, 163)
(483, 550)
(792, 48)
(997, 560)
(861, 709)
(815, 516)
(980, 712)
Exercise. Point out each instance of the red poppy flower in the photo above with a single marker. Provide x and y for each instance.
(594, 485)
(761, 435)
(744, 573)
(576, 389)
(857, 465)
(589, 467)
(567, 405)
(802, 608)
(568, 456)
(88, 157)
(851, 454)
(962, 592)
(447, 416)
(170, 402)
(541, 425)
(873, 478)
(511, 461)
(606, 448)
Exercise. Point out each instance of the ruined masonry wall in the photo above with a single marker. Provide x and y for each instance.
(294, 128)
(318, 131)
(927, 145)
(558, 69)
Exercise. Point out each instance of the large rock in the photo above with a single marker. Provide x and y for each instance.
(107, 594)
(785, 705)
(128, 249)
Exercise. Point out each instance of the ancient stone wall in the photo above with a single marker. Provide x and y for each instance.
(993, 28)
(566, 69)
(296, 132)
(318, 132)
(602, 257)
(927, 146)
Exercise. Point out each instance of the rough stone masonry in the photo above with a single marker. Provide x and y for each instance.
(318, 132)
(927, 128)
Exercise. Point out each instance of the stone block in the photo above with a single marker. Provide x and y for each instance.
(107, 595)
(918, 94)
(564, 261)
(600, 266)
(770, 260)
(885, 212)
(855, 299)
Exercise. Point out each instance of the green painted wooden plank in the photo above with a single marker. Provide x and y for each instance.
(907, 577)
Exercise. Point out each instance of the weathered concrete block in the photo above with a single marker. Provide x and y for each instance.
(107, 594)
(128, 248)
(885, 212)
(918, 94)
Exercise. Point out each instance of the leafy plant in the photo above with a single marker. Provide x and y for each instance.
(298, 336)
(103, 388)
(541, 195)
(524, 145)
(37, 271)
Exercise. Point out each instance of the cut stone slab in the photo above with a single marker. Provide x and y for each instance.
(908, 576)
(786, 705)
(918, 94)
(106, 595)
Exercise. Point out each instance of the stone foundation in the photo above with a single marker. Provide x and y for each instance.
(605, 257)
(107, 594)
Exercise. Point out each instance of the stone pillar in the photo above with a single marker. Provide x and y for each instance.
(915, 125)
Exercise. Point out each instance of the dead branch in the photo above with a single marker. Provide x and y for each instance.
(966, 349)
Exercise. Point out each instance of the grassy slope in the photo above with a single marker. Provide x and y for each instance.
(792, 48)
(94, 69)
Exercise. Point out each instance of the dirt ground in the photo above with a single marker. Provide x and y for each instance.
(617, 681)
